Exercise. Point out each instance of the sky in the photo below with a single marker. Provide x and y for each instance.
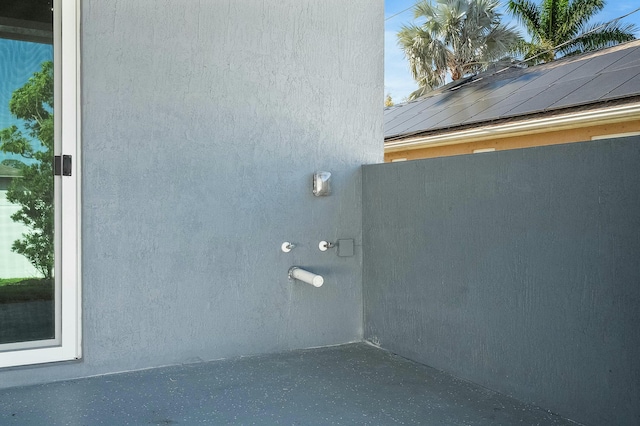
(18, 61)
(397, 79)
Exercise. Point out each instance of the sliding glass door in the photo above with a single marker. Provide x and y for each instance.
(39, 286)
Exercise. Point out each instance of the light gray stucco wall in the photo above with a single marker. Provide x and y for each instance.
(518, 270)
(202, 124)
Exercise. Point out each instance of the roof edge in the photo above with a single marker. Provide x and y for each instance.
(515, 128)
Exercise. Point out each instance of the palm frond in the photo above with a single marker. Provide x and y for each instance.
(414, 43)
(423, 9)
(459, 37)
(551, 15)
(599, 36)
(526, 13)
(576, 18)
(556, 26)
(499, 41)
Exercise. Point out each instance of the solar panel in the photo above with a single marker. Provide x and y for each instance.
(592, 65)
(590, 78)
(465, 115)
(554, 74)
(486, 108)
(430, 102)
(543, 100)
(460, 94)
(424, 109)
(507, 86)
(482, 104)
(597, 88)
(606, 59)
(501, 107)
(628, 88)
(452, 116)
(631, 63)
(630, 60)
(422, 122)
(391, 114)
(476, 102)
(410, 124)
(403, 113)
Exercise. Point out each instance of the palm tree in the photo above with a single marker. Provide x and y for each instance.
(561, 27)
(458, 37)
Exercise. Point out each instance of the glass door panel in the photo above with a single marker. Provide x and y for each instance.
(28, 292)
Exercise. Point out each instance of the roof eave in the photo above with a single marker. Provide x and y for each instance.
(518, 127)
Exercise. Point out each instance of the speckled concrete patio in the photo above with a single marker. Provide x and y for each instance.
(349, 384)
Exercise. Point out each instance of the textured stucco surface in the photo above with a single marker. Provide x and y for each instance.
(202, 123)
(517, 270)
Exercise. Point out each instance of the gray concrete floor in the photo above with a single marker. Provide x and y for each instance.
(349, 384)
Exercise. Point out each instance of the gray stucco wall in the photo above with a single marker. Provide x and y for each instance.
(202, 123)
(517, 270)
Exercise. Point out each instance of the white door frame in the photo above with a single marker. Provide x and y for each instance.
(68, 342)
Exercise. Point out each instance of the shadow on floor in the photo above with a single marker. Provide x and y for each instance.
(349, 384)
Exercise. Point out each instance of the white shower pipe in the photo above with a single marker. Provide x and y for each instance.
(306, 276)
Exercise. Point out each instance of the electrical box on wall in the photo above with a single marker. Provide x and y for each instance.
(321, 184)
(345, 247)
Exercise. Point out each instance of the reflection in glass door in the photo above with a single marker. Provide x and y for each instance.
(27, 283)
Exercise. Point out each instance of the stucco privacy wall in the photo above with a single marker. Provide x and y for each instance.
(202, 123)
(517, 270)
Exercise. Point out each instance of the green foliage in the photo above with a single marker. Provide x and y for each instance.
(6, 281)
(25, 290)
(561, 27)
(458, 38)
(16, 164)
(388, 100)
(33, 103)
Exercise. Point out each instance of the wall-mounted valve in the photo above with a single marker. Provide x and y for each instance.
(345, 247)
(325, 245)
(287, 246)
